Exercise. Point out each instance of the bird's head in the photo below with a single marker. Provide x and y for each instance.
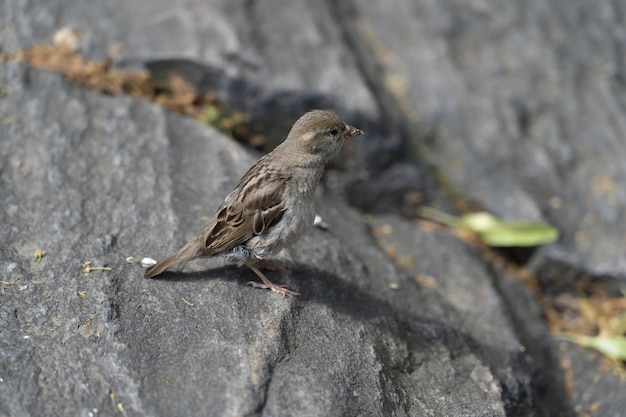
(319, 134)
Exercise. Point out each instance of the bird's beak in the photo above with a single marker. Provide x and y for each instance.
(351, 131)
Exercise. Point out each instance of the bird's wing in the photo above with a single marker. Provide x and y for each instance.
(255, 204)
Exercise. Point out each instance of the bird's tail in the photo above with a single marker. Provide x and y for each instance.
(191, 250)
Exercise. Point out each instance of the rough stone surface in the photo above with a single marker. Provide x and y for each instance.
(518, 105)
(101, 178)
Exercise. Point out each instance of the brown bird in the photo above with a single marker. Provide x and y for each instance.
(273, 204)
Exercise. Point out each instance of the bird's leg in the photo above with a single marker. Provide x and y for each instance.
(269, 285)
(268, 266)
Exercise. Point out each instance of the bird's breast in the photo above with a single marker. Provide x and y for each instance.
(297, 219)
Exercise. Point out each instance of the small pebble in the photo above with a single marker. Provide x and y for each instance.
(146, 262)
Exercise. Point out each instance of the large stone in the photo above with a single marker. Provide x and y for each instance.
(89, 178)
(517, 104)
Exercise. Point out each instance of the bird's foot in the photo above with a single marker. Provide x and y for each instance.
(269, 285)
(278, 289)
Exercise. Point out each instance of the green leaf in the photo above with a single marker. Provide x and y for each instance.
(520, 234)
(439, 216)
(480, 222)
(613, 347)
(496, 232)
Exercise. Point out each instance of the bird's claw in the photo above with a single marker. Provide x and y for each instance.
(278, 289)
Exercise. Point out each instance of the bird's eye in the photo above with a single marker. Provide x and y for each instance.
(333, 132)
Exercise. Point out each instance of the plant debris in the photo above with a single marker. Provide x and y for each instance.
(87, 268)
(173, 92)
(39, 255)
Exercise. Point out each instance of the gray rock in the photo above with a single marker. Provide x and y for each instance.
(518, 110)
(103, 178)
(518, 105)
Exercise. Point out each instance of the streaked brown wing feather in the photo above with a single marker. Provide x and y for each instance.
(254, 205)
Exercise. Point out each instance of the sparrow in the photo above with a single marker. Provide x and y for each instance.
(273, 204)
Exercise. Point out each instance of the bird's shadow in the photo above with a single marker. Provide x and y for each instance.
(419, 331)
(223, 273)
(315, 285)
